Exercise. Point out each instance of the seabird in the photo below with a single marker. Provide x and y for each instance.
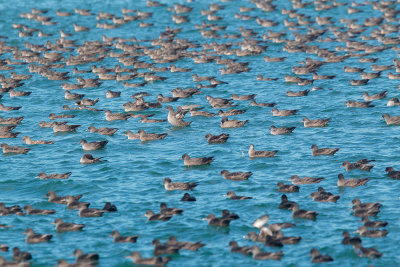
(232, 195)
(123, 239)
(13, 149)
(33, 238)
(305, 180)
(217, 139)
(44, 176)
(88, 212)
(187, 161)
(169, 211)
(260, 255)
(281, 130)
(62, 226)
(32, 211)
(317, 257)
(93, 145)
(323, 151)
(351, 182)
(226, 123)
(154, 261)
(188, 197)
(103, 130)
(287, 188)
(89, 159)
(283, 113)
(304, 214)
(235, 176)
(260, 153)
(315, 122)
(169, 185)
(151, 216)
(20, 256)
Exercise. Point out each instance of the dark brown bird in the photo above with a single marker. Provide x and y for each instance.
(13, 149)
(169, 185)
(351, 182)
(287, 188)
(185, 245)
(261, 153)
(103, 130)
(151, 216)
(323, 196)
(217, 139)
(260, 255)
(348, 240)
(277, 112)
(188, 197)
(373, 224)
(280, 130)
(160, 249)
(62, 226)
(108, 207)
(154, 261)
(315, 122)
(213, 220)
(188, 161)
(362, 164)
(366, 252)
(33, 238)
(317, 257)
(304, 214)
(323, 151)
(20, 255)
(242, 250)
(80, 257)
(364, 231)
(305, 180)
(229, 216)
(93, 145)
(123, 239)
(32, 211)
(286, 204)
(392, 173)
(169, 211)
(88, 212)
(355, 104)
(232, 195)
(298, 93)
(235, 176)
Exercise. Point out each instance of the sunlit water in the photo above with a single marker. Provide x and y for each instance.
(132, 177)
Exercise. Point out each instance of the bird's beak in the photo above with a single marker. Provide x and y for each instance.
(204, 219)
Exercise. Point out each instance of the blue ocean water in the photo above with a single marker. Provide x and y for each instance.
(132, 175)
